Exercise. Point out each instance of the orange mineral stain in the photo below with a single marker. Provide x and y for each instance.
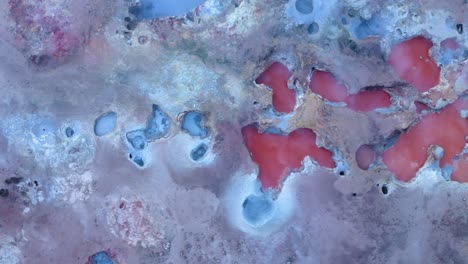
(411, 61)
(446, 129)
(277, 155)
(276, 77)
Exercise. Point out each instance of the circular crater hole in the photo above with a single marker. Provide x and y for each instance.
(384, 189)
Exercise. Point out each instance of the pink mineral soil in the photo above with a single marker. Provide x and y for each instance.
(365, 156)
(450, 43)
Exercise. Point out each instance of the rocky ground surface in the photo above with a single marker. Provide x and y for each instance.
(233, 131)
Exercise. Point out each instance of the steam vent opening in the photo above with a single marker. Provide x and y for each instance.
(233, 131)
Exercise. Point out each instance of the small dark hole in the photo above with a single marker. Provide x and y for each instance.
(344, 21)
(384, 189)
(354, 194)
(69, 132)
(190, 16)
(130, 156)
(39, 60)
(199, 152)
(36, 183)
(341, 173)
(142, 40)
(14, 180)
(131, 26)
(460, 28)
(4, 192)
(236, 3)
(313, 28)
(255, 102)
(127, 35)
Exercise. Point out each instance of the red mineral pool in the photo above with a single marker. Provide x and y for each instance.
(276, 155)
(325, 84)
(276, 77)
(460, 174)
(446, 129)
(366, 101)
(411, 61)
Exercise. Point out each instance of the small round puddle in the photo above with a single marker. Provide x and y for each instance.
(304, 6)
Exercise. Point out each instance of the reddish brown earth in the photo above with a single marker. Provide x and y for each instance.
(365, 155)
